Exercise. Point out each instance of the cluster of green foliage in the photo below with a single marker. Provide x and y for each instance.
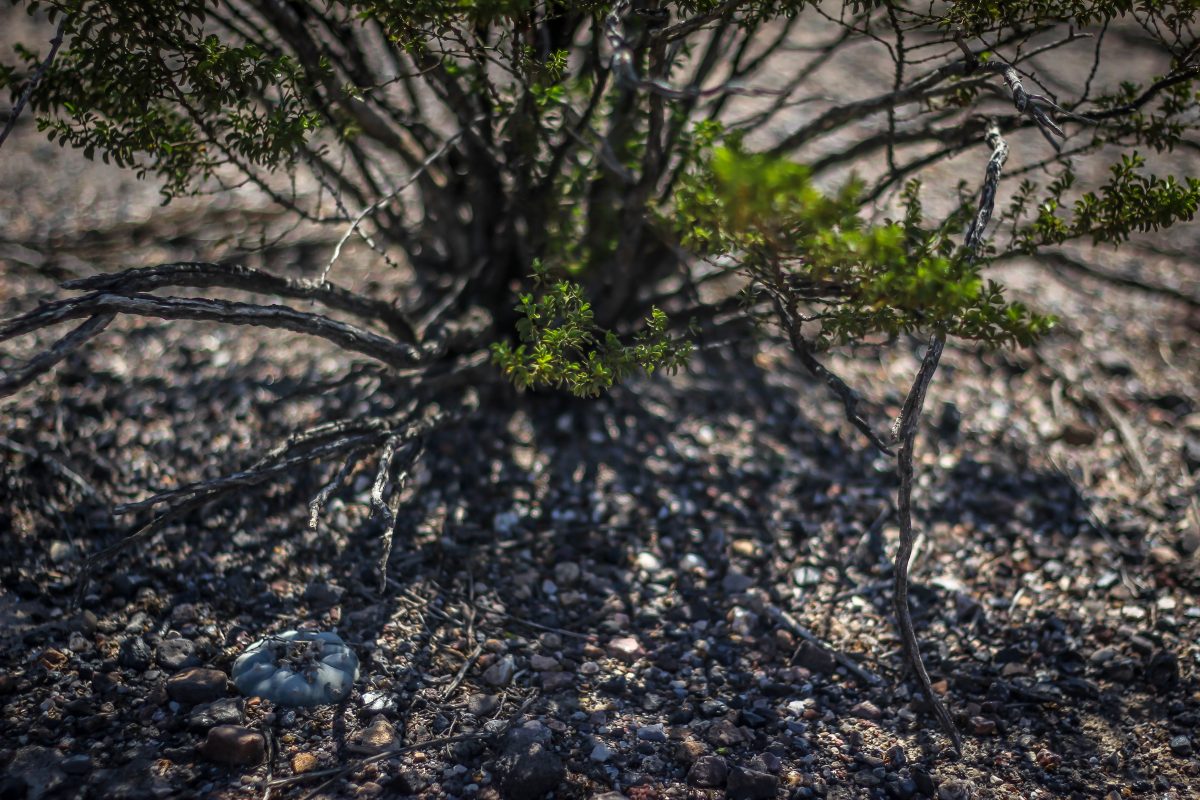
(145, 85)
(900, 277)
(1130, 201)
(562, 346)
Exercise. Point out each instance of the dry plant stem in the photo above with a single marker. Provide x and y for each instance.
(373, 207)
(141, 534)
(194, 496)
(346, 336)
(260, 474)
(389, 530)
(204, 275)
(55, 43)
(382, 472)
(839, 387)
(45, 361)
(1133, 448)
(53, 464)
(623, 63)
(461, 675)
(987, 200)
(906, 431)
(322, 433)
(781, 617)
(317, 504)
(911, 417)
(250, 477)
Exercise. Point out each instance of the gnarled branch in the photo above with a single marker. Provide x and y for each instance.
(203, 275)
(346, 336)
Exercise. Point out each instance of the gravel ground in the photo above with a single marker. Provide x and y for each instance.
(680, 590)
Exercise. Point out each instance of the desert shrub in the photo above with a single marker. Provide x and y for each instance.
(557, 183)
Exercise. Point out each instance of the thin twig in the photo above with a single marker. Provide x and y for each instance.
(55, 43)
(1058, 260)
(848, 396)
(317, 504)
(906, 431)
(461, 675)
(389, 531)
(1129, 438)
(45, 361)
(623, 67)
(378, 501)
(53, 463)
(975, 234)
(781, 617)
(261, 473)
(387, 198)
(529, 623)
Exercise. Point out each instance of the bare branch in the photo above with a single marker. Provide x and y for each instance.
(53, 464)
(250, 477)
(1033, 105)
(45, 361)
(905, 430)
(1149, 94)
(55, 43)
(840, 115)
(626, 72)
(911, 416)
(389, 531)
(991, 181)
(317, 504)
(332, 430)
(1060, 261)
(387, 198)
(692, 24)
(342, 334)
(378, 501)
(848, 396)
(235, 276)
(786, 620)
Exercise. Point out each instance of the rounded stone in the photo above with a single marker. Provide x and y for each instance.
(233, 744)
(196, 685)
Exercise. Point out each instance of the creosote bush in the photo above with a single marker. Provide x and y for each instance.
(557, 182)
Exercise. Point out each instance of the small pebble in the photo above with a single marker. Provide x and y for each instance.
(625, 648)
(866, 710)
(601, 753)
(303, 762)
(652, 733)
(233, 744)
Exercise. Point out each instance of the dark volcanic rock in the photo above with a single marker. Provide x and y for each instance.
(135, 654)
(226, 711)
(196, 685)
(708, 772)
(175, 654)
(816, 658)
(527, 767)
(34, 773)
(749, 784)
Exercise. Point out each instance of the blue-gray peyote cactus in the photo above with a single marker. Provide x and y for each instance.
(297, 668)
